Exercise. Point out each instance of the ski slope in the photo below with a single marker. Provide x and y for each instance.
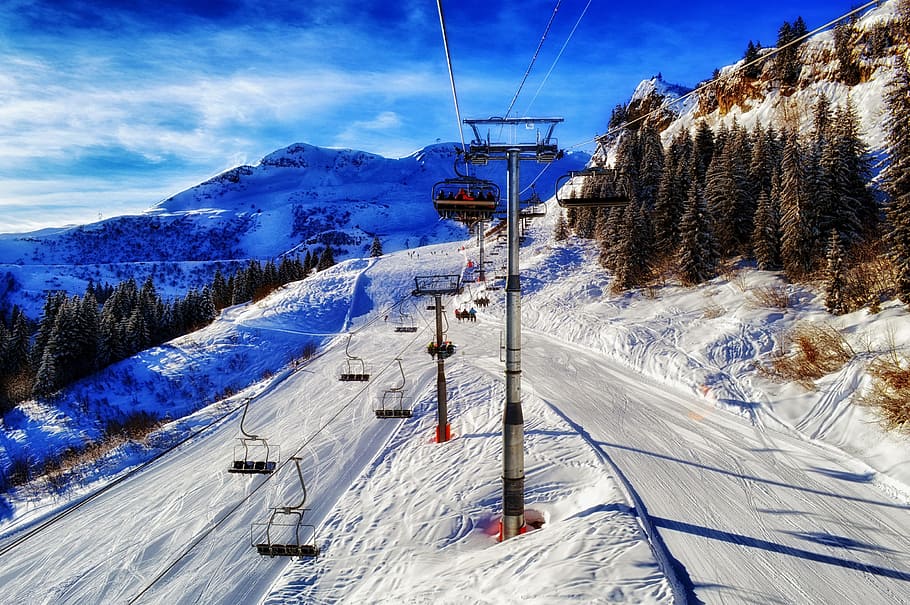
(649, 491)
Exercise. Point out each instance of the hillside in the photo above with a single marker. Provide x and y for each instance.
(298, 198)
(663, 467)
(874, 40)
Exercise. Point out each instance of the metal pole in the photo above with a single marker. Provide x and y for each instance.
(513, 464)
(443, 431)
(481, 271)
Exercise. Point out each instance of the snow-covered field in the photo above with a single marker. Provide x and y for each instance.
(663, 468)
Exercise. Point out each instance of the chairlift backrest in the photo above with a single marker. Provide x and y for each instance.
(591, 188)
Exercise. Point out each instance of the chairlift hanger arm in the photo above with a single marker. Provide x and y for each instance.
(246, 407)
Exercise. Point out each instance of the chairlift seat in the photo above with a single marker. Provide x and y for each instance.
(260, 467)
(606, 191)
(393, 413)
(405, 328)
(354, 377)
(287, 550)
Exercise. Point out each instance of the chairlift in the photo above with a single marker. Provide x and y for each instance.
(391, 403)
(253, 455)
(280, 536)
(533, 207)
(600, 188)
(405, 322)
(354, 369)
(442, 350)
(466, 198)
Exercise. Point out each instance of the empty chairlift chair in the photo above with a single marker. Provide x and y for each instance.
(405, 322)
(533, 207)
(353, 369)
(253, 455)
(392, 402)
(285, 534)
(591, 188)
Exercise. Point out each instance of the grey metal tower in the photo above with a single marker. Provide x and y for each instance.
(514, 148)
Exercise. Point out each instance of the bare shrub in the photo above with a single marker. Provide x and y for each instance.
(774, 297)
(889, 393)
(807, 353)
(869, 282)
(135, 425)
(713, 311)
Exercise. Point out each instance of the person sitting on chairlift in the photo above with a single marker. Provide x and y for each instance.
(473, 314)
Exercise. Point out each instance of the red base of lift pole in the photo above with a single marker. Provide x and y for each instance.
(443, 433)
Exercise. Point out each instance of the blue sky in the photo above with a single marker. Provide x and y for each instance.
(107, 107)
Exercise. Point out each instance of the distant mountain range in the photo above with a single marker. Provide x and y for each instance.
(295, 199)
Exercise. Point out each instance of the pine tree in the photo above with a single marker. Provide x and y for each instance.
(750, 60)
(796, 236)
(376, 247)
(326, 259)
(672, 195)
(633, 249)
(308, 263)
(766, 234)
(897, 175)
(847, 66)
(786, 61)
(561, 229)
(221, 294)
(850, 207)
(760, 163)
(702, 151)
(651, 166)
(835, 281)
(698, 251)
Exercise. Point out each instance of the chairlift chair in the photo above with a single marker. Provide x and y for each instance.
(467, 199)
(404, 322)
(280, 536)
(533, 207)
(253, 455)
(600, 188)
(354, 369)
(391, 403)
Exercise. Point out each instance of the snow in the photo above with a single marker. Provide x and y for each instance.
(662, 467)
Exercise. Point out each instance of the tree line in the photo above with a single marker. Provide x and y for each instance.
(79, 335)
(800, 203)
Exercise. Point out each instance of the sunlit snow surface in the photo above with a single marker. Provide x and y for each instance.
(662, 467)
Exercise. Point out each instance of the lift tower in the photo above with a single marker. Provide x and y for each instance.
(516, 139)
(438, 286)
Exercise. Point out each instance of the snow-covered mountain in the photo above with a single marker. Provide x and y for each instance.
(297, 198)
(663, 466)
(876, 39)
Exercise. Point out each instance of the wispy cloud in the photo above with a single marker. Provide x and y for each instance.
(165, 93)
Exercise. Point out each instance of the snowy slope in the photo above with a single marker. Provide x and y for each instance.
(652, 488)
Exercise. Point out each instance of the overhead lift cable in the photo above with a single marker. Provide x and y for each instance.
(445, 43)
(205, 533)
(728, 74)
(534, 58)
(556, 60)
